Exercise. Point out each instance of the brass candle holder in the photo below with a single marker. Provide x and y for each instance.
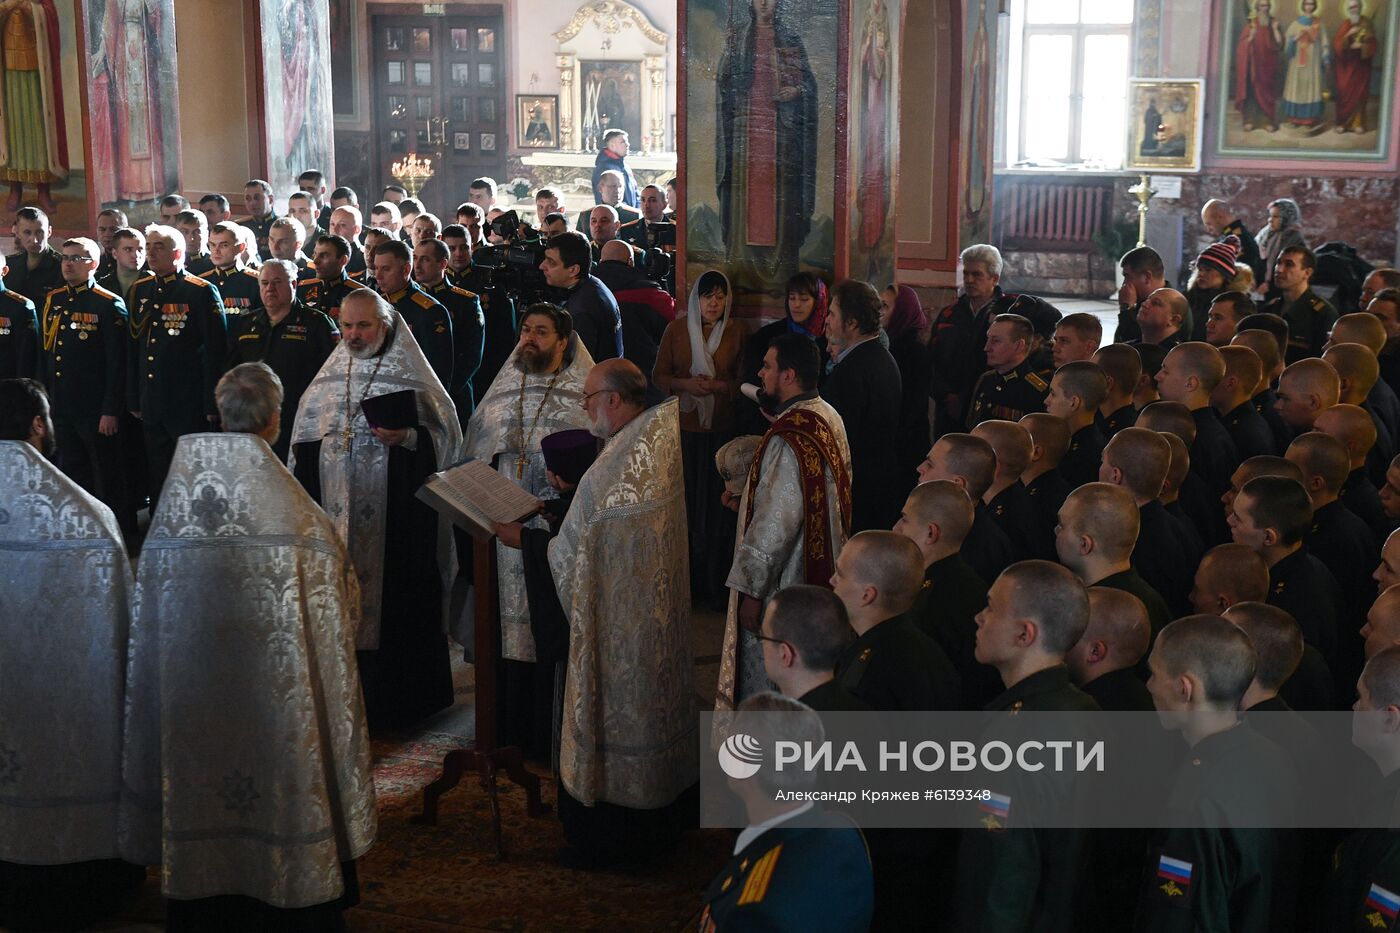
(1143, 191)
(412, 172)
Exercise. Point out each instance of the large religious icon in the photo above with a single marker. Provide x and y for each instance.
(874, 140)
(537, 120)
(34, 145)
(612, 99)
(297, 72)
(1164, 124)
(133, 99)
(1306, 77)
(976, 104)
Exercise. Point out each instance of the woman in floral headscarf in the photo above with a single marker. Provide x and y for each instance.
(1285, 231)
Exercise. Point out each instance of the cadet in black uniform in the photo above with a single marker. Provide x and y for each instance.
(1122, 366)
(33, 271)
(1104, 662)
(1076, 392)
(1212, 877)
(424, 315)
(803, 633)
(237, 284)
(1251, 434)
(1189, 374)
(1006, 501)
(180, 343)
(332, 284)
(19, 336)
(1139, 460)
(1010, 388)
(1309, 316)
(970, 462)
(464, 307)
(497, 307)
(1026, 879)
(257, 198)
(85, 345)
(289, 336)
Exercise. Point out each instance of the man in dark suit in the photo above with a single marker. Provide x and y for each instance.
(865, 389)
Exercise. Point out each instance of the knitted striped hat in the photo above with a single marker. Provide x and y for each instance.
(1221, 256)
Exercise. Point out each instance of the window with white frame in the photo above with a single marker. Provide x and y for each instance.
(1067, 79)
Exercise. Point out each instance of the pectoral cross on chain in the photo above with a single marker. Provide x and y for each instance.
(348, 434)
(520, 464)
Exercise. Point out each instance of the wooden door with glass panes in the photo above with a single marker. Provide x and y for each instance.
(439, 94)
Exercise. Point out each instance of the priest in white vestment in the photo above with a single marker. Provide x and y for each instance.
(539, 391)
(628, 759)
(65, 587)
(794, 514)
(366, 478)
(246, 772)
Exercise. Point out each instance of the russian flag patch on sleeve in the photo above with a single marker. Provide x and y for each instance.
(997, 808)
(1383, 902)
(1175, 874)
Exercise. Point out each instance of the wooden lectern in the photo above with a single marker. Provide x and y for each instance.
(485, 759)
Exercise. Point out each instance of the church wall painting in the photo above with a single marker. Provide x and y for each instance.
(1305, 78)
(979, 84)
(297, 91)
(760, 167)
(873, 139)
(133, 104)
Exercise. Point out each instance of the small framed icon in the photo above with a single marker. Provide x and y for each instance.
(462, 142)
(488, 142)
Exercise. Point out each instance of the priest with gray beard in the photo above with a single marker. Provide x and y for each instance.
(366, 477)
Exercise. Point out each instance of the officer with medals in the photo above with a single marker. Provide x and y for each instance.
(429, 267)
(257, 198)
(286, 334)
(425, 316)
(1309, 316)
(180, 343)
(237, 284)
(284, 239)
(1011, 388)
(332, 283)
(85, 339)
(959, 333)
(19, 333)
(497, 306)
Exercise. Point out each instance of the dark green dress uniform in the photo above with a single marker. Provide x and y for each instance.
(1082, 460)
(1167, 566)
(1047, 493)
(1013, 512)
(36, 283)
(794, 878)
(468, 325)
(1240, 880)
(261, 227)
(305, 270)
(295, 347)
(85, 339)
(198, 265)
(1363, 884)
(356, 268)
(326, 296)
(894, 666)
(179, 347)
(986, 548)
(946, 611)
(19, 336)
(957, 350)
(238, 287)
(1310, 319)
(1024, 879)
(308, 249)
(1007, 396)
(430, 324)
(1119, 419)
(831, 697)
(500, 334)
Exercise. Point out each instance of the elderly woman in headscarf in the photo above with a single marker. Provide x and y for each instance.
(903, 319)
(698, 360)
(1284, 231)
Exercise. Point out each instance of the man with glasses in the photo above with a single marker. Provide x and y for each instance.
(85, 341)
(805, 631)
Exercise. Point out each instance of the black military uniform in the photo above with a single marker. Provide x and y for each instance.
(1363, 887)
(1213, 454)
(36, 283)
(262, 228)
(1012, 510)
(1222, 878)
(894, 666)
(1081, 461)
(295, 347)
(1359, 495)
(832, 697)
(500, 335)
(1264, 404)
(1250, 432)
(1302, 586)
(86, 340)
(1310, 319)
(1165, 565)
(946, 611)
(987, 549)
(468, 327)
(19, 336)
(1110, 425)
(1312, 687)
(1007, 396)
(238, 287)
(1120, 691)
(1010, 878)
(1129, 581)
(1344, 544)
(957, 347)
(199, 264)
(1047, 493)
(305, 270)
(1203, 509)
(430, 324)
(327, 296)
(180, 344)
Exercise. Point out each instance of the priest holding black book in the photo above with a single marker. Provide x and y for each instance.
(374, 424)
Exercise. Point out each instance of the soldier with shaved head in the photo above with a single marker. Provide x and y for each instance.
(1178, 473)
(971, 463)
(1338, 537)
(1358, 374)
(1306, 389)
(1076, 392)
(1271, 362)
(1366, 329)
(1198, 500)
(1189, 374)
(804, 633)
(1006, 500)
(1103, 663)
(1122, 367)
(1044, 483)
(1231, 401)
(1356, 429)
(1097, 533)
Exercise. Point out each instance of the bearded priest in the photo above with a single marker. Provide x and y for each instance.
(365, 477)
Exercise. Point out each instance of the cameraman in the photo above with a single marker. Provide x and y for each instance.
(597, 320)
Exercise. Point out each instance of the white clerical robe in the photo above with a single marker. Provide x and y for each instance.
(548, 403)
(769, 550)
(65, 586)
(247, 761)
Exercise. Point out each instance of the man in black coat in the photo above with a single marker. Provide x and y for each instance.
(865, 389)
(568, 260)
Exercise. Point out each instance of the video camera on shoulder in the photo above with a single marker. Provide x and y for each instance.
(514, 265)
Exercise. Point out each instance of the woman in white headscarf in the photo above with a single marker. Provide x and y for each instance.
(699, 361)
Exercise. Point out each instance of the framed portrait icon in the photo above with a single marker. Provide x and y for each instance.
(1164, 124)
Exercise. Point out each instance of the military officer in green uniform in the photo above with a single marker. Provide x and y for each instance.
(1026, 878)
(497, 307)
(257, 198)
(85, 341)
(332, 283)
(425, 316)
(237, 283)
(301, 207)
(1010, 388)
(179, 345)
(33, 271)
(464, 307)
(195, 226)
(284, 239)
(346, 222)
(1310, 317)
(1211, 877)
(288, 335)
(19, 335)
